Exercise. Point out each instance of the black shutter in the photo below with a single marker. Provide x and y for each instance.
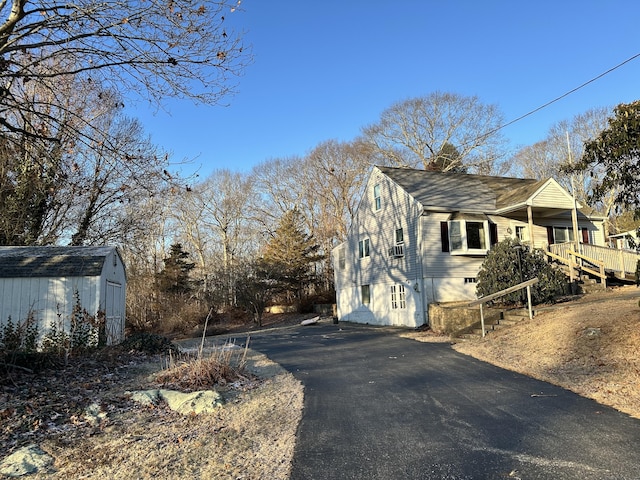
(493, 233)
(444, 235)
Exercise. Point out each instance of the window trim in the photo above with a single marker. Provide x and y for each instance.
(365, 298)
(448, 242)
(568, 231)
(364, 248)
(398, 297)
(377, 197)
(399, 239)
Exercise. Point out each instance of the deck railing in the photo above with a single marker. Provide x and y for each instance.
(620, 262)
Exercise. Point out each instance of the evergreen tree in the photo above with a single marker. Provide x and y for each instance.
(509, 263)
(175, 276)
(290, 255)
(617, 151)
(448, 159)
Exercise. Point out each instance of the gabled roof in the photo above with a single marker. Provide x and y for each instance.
(18, 262)
(457, 191)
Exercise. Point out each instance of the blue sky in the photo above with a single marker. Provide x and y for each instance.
(324, 69)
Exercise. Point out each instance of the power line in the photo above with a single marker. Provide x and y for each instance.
(559, 98)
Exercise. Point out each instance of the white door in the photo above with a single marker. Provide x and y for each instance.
(398, 305)
(113, 313)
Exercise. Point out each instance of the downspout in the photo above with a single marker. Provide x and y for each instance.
(420, 281)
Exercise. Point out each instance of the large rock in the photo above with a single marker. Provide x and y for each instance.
(203, 401)
(28, 460)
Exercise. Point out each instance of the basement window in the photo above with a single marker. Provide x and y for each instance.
(365, 291)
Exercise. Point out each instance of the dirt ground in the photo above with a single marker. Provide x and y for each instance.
(590, 345)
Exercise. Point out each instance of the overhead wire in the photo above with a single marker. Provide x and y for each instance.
(491, 132)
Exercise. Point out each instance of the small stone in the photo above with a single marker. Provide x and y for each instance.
(592, 332)
(94, 415)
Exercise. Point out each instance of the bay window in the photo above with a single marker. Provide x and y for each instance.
(466, 236)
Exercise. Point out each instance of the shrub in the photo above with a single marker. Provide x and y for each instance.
(86, 332)
(148, 343)
(502, 269)
(19, 337)
(225, 365)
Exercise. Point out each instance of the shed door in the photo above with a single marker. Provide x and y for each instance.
(113, 313)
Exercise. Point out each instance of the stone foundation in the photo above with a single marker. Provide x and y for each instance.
(452, 318)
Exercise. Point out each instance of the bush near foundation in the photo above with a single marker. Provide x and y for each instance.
(501, 269)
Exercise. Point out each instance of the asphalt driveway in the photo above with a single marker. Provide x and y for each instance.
(381, 407)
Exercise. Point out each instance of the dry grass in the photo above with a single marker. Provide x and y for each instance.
(220, 367)
(590, 346)
(251, 437)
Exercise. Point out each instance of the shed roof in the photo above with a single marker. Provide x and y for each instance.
(18, 262)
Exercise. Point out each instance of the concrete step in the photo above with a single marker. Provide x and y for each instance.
(592, 287)
(512, 320)
(494, 320)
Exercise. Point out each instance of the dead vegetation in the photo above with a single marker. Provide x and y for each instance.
(251, 437)
(590, 346)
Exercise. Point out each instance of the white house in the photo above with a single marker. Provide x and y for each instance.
(420, 237)
(625, 240)
(43, 281)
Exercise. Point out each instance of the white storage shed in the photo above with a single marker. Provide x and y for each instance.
(43, 281)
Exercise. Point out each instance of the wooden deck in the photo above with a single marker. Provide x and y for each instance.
(616, 262)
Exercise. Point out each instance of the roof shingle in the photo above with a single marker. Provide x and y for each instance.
(16, 262)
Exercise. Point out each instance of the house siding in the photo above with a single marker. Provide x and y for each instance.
(380, 270)
(552, 197)
(426, 273)
(445, 274)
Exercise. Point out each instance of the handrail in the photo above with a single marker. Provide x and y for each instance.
(571, 263)
(506, 291)
(600, 263)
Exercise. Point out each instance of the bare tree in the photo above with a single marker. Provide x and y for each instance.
(335, 174)
(74, 191)
(226, 196)
(580, 129)
(102, 181)
(153, 48)
(443, 131)
(279, 190)
(213, 219)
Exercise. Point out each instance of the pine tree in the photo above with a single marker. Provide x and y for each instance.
(290, 255)
(175, 276)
